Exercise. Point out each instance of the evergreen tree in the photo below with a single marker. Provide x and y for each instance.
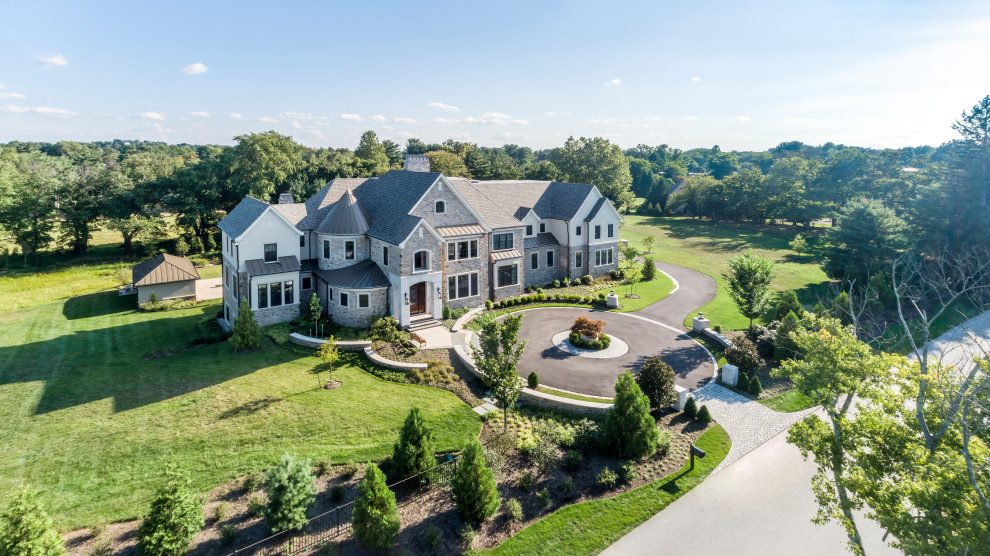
(819, 309)
(841, 309)
(691, 406)
(181, 247)
(743, 382)
(176, 516)
(649, 269)
(629, 426)
(755, 387)
(785, 347)
(474, 488)
(247, 335)
(26, 529)
(749, 278)
(375, 521)
(414, 453)
(867, 237)
(291, 490)
(703, 415)
(788, 303)
(656, 380)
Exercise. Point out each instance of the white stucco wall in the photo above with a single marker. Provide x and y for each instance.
(269, 228)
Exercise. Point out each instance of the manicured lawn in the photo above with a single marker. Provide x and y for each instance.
(590, 527)
(475, 323)
(705, 246)
(648, 292)
(89, 422)
(28, 287)
(789, 402)
(579, 397)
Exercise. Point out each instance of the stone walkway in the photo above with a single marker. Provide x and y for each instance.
(749, 423)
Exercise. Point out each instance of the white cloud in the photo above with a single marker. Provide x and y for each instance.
(519, 122)
(613, 83)
(444, 121)
(195, 69)
(295, 124)
(53, 60)
(695, 79)
(268, 120)
(690, 117)
(351, 117)
(236, 116)
(604, 121)
(296, 116)
(377, 118)
(201, 114)
(551, 114)
(794, 120)
(3, 86)
(13, 95)
(404, 121)
(43, 110)
(151, 116)
(496, 116)
(443, 106)
(741, 119)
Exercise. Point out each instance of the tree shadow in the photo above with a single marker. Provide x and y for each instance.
(97, 305)
(249, 408)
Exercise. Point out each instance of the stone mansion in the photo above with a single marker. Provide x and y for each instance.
(409, 242)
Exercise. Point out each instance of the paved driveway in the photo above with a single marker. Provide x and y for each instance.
(694, 289)
(691, 362)
(209, 288)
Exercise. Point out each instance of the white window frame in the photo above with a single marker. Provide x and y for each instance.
(550, 259)
(611, 230)
(603, 257)
(264, 253)
(543, 227)
(452, 293)
(529, 230)
(512, 241)
(457, 250)
(577, 259)
(326, 249)
(534, 260)
(344, 299)
(366, 299)
(353, 250)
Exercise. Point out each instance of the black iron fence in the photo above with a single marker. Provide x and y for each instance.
(337, 522)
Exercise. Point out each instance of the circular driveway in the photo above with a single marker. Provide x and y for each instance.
(692, 363)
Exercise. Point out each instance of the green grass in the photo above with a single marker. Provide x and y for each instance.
(648, 292)
(706, 246)
(89, 422)
(569, 395)
(789, 402)
(590, 527)
(475, 323)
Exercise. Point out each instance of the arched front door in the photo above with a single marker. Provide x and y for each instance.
(417, 299)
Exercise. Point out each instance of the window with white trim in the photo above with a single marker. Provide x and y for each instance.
(603, 257)
(508, 275)
(462, 285)
(529, 230)
(457, 250)
(262, 296)
(348, 249)
(363, 301)
(611, 230)
(271, 252)
(543, 227)
(577, 259)
(302, 241)
(344, 301)
(579, 230)
(326, 248)
(501, 242)
(549, 258)
(598, 232)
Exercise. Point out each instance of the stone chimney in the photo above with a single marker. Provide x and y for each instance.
(417, 163)
(285, 199)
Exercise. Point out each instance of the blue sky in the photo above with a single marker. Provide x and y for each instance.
(744, 75)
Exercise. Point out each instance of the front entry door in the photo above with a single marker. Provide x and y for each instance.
(417, 298)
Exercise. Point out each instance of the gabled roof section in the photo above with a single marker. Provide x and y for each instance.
(491, 212)
(599, 206)
(242, 217)
(293, 212)
(322, 201)
(515, 198)
(162, 269)
(346, 217)
(566, 199)
(390, 198)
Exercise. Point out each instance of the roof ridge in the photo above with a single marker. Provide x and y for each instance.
(493, 202)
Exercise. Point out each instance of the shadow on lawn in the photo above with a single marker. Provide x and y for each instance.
(82, 366)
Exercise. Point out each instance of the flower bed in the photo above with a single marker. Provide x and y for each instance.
(602, 342)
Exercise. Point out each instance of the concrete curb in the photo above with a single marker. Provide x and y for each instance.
(465, 318)
(315, 343)
(394, 365)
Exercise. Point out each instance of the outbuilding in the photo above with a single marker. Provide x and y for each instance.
(166, 276)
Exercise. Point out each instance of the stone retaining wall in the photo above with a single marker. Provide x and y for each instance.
(315, 343)
(394, 365)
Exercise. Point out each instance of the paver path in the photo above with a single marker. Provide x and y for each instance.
(749, 423)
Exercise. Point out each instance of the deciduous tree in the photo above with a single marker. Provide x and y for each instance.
(749, 278)
(498, 357)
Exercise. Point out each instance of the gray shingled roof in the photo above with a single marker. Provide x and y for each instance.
(594, 210)
(293, 212)
(390, 198)
(560, 200)
(491, 212)
(566, 199)
(162, 269)
(545, 239)
(361, 276)
(346, 218)
(322, 201)
(244, 214)
(258, 267)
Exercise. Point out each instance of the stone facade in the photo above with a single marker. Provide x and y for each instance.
(273, 315)
(356, 316)
(375, 251)
(420, 240)
(601, 270)
(454, 214)
(338, 253)
(478, 264)
(575, 272)
(500, 293)
(544, 274)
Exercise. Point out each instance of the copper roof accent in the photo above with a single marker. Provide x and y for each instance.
(503, 255)
(163, 269)
(453, 231)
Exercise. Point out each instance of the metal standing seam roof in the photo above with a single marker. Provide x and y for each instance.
(244, 214)
(346, 218)
(163, 269)
(454, 231)
(364, 275)
(258, 267)
(504, 255)
(546, 239)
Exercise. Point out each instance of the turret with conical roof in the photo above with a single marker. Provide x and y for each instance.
(346, 218)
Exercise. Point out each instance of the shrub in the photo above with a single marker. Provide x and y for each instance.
(691, 407)
(221, 511)
(433, 536)
(819, 309)
(323, 467)
(513, 509)
(252, 481)
(663, 443)
(627, 472)
(786, 347)
(556, 283)
(586, 279)
(256, 505)
(532, 381)
(527, 481)
(573, 460)
(717, 328)
(227, 534)
(743, 382)
(543, 497)
(181, 247)
(247, 335)
(496, 461)
(607, 478)
(385, 329)
(630, 428)
(26, 529)
(656, 379)
(473, 487)
(211, 243)
(337, 493)
(488, 304)
(764, 338)
(566, 281)
(435, 373)
(544, 454)
(587, 435)
(195, 245)
(446, 312)
(349, 469)
(414, 453)
(743, 354)
(467, 536)
(176, 515)
(588, 327)
(649, 269)
(375, 521)
(601, 296)
(104, 546)
(703, 415)
(755, 387)
(290, 489)
(789, 303)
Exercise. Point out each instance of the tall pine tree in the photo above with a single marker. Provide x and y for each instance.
(474, 489)
(176, 515)
(628, 425)
(291, 490)
(414, 451)
(26, 529)
(375, 520)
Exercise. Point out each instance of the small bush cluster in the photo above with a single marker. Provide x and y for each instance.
(691, 407)
(567, 485)
(513, 509)
(607, 478)
(533, 381)
(436, 373)
(587, 279)
(385, 329)
(602, 342)
(765, 338)
(543, 497)
(527, 481)
(573, 460)
(743, 354)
